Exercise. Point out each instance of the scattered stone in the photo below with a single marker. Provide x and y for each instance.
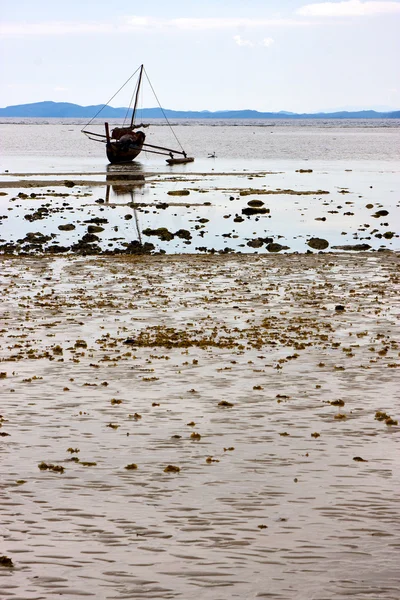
(178, 193)
(255, 203)
(318, 243)
(256, 243)
(183, 234)
(162, 233)
(249, 211)
(97, 220)
(95, 229)
(67, 227)
(49, 467)
(275, 247)
(353, 247)
(5, 561)
(225, 404)
(172, 469)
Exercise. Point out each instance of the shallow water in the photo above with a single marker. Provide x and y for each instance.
(275, 516)
(355, 162)
(333, 203)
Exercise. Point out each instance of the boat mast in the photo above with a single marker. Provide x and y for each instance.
(137, 96)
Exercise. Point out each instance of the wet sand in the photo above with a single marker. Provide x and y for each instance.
(258, 377)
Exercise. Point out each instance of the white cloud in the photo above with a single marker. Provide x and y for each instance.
(207, 24)
(53, 28)
(350, 8)
(60, 89)
(241, 42)
(138, 21)
(141, 23)
(267, 42)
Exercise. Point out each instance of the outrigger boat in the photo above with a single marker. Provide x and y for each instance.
(124, 144)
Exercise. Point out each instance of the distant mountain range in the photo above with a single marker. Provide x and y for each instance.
(66, 110)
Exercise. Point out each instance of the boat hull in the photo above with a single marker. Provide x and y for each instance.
(126, 148)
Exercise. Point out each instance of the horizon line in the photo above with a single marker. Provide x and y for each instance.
(208, 111)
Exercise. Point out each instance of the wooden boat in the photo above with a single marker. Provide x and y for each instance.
(124, 144)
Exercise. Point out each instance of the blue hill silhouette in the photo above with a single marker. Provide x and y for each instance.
(60, 110)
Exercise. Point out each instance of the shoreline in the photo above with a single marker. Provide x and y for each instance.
(174, 422)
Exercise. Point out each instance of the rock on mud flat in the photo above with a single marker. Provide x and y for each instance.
(354, 247)
(275, 247)
(66, 227)
(318, 243)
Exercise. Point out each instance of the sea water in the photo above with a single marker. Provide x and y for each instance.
(355, 161)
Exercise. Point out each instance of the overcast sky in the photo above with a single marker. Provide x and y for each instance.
(267, 55)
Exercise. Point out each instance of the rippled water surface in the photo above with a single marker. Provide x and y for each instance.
(283, 495)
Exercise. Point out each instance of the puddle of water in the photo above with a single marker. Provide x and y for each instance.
(338, 205)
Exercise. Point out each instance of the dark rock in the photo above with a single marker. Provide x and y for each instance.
(255, 203)
(97, 220)
(161, 232)
(178, 193)
(66, 227)
(380, 213)
(136, 247)
(95, 228)
(356, 247)
(275, 247)
(318, 243)
(37, 238)
(255, 211)
(85, 249)
(183, 234)
(256, 243)
(89, 238)
(55, 249)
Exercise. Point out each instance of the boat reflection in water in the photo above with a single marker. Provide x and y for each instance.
(127, 180)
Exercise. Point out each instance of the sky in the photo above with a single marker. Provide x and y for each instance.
(266, 55)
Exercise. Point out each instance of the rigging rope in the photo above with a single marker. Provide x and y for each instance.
(162, 110)
(110, 100)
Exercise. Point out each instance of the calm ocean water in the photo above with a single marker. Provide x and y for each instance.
(272, 140)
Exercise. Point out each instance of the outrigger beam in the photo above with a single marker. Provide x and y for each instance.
(166, 149)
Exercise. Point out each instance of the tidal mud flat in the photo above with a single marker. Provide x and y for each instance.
(244, 208)
(214, 425)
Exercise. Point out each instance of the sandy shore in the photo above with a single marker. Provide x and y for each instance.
(257, 377)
